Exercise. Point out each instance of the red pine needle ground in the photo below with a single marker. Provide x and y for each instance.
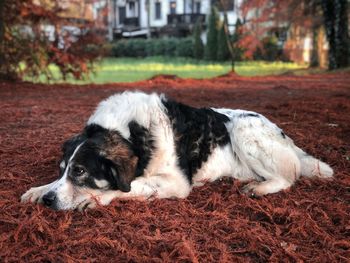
(216, 223)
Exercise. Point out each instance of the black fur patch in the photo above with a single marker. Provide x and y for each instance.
(142, 145)
(197, 132)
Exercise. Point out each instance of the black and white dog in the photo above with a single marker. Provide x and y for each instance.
(146, 145)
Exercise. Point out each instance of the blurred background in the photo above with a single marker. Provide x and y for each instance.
(100, 41)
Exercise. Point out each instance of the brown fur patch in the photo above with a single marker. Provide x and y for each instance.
(118, 151)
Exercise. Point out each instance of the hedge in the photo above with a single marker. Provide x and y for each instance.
(172, 47)
(184, 47)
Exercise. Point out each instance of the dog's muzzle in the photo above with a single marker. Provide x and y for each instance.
(49, 199)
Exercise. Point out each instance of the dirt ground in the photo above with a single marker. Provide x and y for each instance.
(217, 223)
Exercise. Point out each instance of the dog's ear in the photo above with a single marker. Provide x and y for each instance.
(94, 130)
(72, 143)
(118, 151)
(122, 172)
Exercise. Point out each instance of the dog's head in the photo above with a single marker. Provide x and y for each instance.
(96, 161)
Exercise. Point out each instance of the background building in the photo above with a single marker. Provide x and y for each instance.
(145, 18)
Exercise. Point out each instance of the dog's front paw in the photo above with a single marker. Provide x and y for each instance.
(87, 204)
(33, 195)
(250, 189)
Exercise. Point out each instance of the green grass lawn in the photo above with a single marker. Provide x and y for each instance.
(132, 69)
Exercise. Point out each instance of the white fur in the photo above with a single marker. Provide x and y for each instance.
(117, 111)
(258, 152)
(101, 183)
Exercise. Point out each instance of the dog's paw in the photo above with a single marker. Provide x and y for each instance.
(33, 195)
(87, 204)
(251, 189)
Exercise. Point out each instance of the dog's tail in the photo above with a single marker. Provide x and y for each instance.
(312, 167)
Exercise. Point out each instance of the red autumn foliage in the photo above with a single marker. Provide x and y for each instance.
(264, 16)
(25, 49)
(216, 223)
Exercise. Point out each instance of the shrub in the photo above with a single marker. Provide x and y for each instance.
(24, 50)
(150, 49)
(129, 48)
(258, 54)
(118, 48)
(269, 50)
(160, 47)
(170, 46)
(185, 48)
(153, 47)
(138, 47)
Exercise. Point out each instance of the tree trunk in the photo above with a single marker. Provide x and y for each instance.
(228, 41)
(314, 61)
(336, 24)
(2, 32)
(329, 14)
(342, 33)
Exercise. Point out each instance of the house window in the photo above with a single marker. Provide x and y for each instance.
(122, 14)
(132, 10)
(158, 6)
(225, 5)
(189, 7)
(197, 7)
(172, 7)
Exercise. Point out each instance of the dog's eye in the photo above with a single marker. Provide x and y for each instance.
(62, 165)
(78, 171)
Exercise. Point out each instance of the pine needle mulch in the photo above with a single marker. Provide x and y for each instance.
(217, 223)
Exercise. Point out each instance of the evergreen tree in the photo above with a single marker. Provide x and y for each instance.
(198, 47)
(223, 51)
(212, 36)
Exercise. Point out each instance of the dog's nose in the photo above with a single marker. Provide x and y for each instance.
(49, 199)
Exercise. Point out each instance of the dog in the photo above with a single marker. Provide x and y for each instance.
(138, 145)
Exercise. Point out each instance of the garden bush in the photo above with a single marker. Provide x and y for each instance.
(269, 50)
(171, 47)
(185, 48)
(26, 51)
